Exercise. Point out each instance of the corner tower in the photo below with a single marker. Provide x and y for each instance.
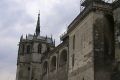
(30, 53)
(91, 42)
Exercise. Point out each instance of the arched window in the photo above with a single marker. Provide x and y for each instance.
(22, 49)
(45, 67)
(48, 49)
(39, 48)
(63, 57)
(74, 42)
(28, 68)
(53, 63)
(28, 49)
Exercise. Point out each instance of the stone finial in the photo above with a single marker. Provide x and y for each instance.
(21, 38)
(54, 42)
(51, 38)
(26, 36)
(34, 36)
(46, 37)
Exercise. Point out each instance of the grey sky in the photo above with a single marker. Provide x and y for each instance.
(19, 17)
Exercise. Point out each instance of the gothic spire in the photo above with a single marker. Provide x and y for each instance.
(54, 41)
(38, 26)
(21, 38)
(46, 37)
(26, 36)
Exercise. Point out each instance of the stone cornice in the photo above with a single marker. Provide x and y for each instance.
(106, 8)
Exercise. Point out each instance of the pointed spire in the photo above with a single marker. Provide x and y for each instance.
(38, 25)
(54, 41)
(34, 36)
(46, 37)
(21, 38)
(26, 36)
(51, 38)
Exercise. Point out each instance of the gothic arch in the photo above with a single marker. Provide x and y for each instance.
(53, 63)
(63, 57)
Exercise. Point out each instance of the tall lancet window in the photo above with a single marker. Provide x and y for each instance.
(39, 48)
(73, 42)
(28, 49)
(23, 48)
(48, 49)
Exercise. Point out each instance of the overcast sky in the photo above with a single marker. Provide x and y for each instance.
(19, 17)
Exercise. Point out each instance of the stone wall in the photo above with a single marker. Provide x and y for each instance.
(103, 46)
(23, 72)
(35, 73)
(60, 74)
(57, 64)
(117, 33)
(81, 56)
(116, 14)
